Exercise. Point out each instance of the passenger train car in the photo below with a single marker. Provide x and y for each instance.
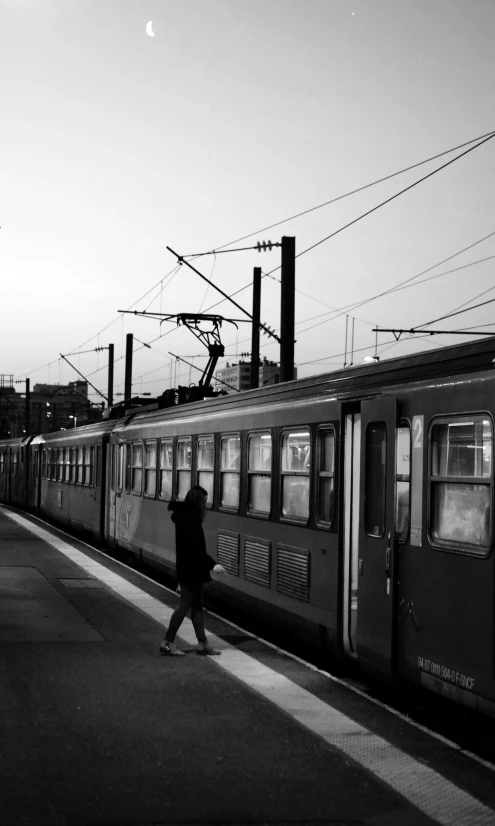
(354, 509)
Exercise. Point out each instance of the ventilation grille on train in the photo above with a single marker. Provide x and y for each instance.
(257, 561)
(228, 551)
(293, 572)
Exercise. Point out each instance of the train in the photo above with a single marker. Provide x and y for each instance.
(353, 509)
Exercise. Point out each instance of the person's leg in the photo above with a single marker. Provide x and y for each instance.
(197, 615)
(198, 622)
(186, 598)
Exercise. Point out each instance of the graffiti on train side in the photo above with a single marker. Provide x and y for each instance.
(408, 611)
(125, 516)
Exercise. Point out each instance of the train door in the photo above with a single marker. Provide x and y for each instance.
(34, 468)
(352, 467)
(111, 487)
(118, 465)
(376, 535)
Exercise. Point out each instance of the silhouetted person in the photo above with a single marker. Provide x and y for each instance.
(193, 566)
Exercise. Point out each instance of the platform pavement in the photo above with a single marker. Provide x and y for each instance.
(97, 728)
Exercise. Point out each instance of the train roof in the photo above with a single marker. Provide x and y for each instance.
(473, 357)
(76, 435)
(348, 383)
(20, 441)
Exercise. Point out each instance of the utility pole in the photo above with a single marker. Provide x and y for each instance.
(128, 367)
(28, 407)
(287, 308)
(110, 375)
(255, 337)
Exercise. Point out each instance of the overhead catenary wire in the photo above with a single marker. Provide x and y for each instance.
(406, 284)
(370, 211)
(355, 191)
(398, 288)
(478, 141)
(286, 220)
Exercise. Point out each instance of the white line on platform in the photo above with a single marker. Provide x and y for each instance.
(437, 797)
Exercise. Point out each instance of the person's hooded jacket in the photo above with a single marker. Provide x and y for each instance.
(193, 564)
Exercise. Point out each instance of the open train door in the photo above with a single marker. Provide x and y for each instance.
(375, 622)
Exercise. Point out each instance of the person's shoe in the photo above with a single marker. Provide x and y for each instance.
(171, 650)
(204, 649)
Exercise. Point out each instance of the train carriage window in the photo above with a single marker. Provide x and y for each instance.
(183, 466)
(98, 466)
(460, 483)
(53, 473)
(137, 468)
(113, 466)
(375, 478)
(14, 462)
(87, 465)
(295, 469)
(150, 468)
(120, 467)
(1, 462)
(402, 482)
(128, 468)
(80, 465)
(73, 464)
(66, 464)
(325, 495)
(89, 469)
(205, 462)
(259, 473)
(230, 471)
(166, 468)
(43, 463)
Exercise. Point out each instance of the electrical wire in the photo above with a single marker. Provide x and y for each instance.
(355, 191)
(368, 212)
(458, 312)
(172, 272)
(482, 139)
(398, 288)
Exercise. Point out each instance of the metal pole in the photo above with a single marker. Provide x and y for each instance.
(28, 407)
(287, 307)
(110, 374)
(255, 336)
(128, 366)
(346, 325)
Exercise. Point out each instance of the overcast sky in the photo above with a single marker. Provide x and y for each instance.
(236, 115)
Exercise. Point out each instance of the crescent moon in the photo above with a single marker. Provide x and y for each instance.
(149, 29)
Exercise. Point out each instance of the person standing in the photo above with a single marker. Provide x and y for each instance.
(193, 566)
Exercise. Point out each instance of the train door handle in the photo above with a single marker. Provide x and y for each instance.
(387, 555)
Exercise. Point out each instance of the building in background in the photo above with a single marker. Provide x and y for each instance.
(234, 377)
(61, 406)
(12, 408)
(238, 376)
(51, 407)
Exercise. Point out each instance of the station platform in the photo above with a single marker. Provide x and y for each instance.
(98, 728)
